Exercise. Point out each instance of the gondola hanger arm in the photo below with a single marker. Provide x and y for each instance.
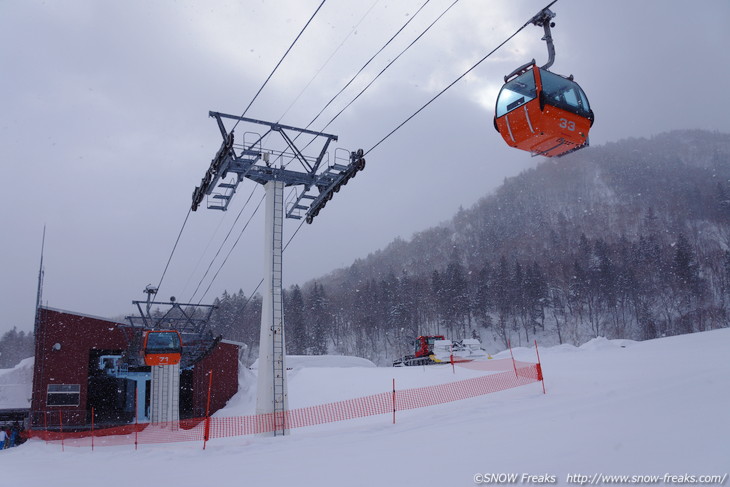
(544, 19)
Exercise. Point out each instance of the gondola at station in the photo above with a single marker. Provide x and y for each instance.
(155, 368)
(162, 347)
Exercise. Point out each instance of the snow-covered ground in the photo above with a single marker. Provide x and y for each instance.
(654, 408)
(16, 385)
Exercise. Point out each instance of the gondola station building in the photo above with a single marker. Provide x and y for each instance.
(83, 375)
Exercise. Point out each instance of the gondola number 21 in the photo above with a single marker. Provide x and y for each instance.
(567, 124)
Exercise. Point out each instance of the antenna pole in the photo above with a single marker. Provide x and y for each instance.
(39, 294)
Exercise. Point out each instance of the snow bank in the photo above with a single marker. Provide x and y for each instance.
(243, 403)
(16, 385)
(303, 361)
(602, 343)
(594, 345)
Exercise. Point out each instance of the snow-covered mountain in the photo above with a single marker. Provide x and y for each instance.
(626, 240)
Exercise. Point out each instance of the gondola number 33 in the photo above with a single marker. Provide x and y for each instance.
(566, 124)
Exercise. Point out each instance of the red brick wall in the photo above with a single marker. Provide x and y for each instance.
(76, 335)
(223, 362)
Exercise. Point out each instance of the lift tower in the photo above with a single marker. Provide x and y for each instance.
(314, 182)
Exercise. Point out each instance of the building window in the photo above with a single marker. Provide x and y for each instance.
(63, 394)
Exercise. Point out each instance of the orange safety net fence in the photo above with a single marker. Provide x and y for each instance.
(504, 374)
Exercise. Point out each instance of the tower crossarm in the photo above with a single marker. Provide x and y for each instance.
(248, 160)
(273, 125)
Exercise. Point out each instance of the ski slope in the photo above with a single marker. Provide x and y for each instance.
(618, 407)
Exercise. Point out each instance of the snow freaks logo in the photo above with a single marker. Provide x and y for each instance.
(514, 478)
(600, 479)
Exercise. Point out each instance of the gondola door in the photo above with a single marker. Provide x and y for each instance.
(518, 111)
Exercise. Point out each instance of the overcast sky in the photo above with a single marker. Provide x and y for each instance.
(104, 128)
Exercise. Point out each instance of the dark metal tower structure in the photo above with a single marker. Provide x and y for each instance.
(247, 159)
(188, 319)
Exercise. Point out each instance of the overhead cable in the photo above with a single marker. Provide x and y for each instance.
(205, 251)
(173, 249)
(451, 84)
(354, 28)
(407, 119)
(381, 71)
(220, 248)
(368, 63)
(231, 249)
(362, 68)
(244, 113)
(390, 64)
(280, 61)
(262, 281)
(437, 95)
(236, 124)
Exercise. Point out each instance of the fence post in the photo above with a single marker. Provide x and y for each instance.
(206, 434)
(92, 429)
(539, 369)
(136, 418)
(393, 400)
(60, 422)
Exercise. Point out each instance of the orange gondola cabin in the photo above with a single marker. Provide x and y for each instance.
(162, 347)
(542, 112)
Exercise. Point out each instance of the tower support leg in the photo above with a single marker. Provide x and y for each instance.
(165, 395)
(271, 401)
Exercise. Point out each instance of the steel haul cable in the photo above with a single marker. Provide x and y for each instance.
(403, 51)
(231, 250)
(327, 62)
(438, 95)
(367, 63)
(225, 240)
(244, 113)
(333, 98)
(236, 125)
(280, 61)
(173, 249)
(362, 68)
(391, 63)
(423, 107)
(452, 83)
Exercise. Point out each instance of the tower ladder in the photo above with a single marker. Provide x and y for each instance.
(277, 313)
